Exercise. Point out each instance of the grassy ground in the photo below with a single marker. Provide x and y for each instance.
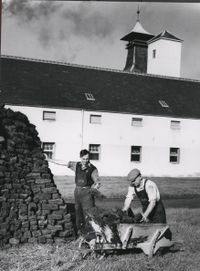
(116, 187)
(184, 223)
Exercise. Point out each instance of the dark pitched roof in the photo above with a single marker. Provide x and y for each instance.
(59, 85)
(138, 33)
(137, 36)
(165, 34)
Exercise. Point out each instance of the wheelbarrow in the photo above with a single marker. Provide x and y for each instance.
(149, 238)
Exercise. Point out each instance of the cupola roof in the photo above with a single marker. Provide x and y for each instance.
(165, 35)
(138, 32)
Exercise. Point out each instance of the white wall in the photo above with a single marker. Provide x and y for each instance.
(66, 132)
(116, 136)
(168, 58)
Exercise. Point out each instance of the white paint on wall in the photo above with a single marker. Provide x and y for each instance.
(65, 131)
(72, 131)
(167, 60)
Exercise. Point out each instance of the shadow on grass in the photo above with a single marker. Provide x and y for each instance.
(137, 251)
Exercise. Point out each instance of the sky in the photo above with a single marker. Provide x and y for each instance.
(89, 33)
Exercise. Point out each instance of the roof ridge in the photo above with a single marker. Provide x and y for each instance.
(99, 68)
(164, 34)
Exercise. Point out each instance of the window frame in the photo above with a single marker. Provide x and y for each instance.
(175, 154)
(175, 124)
(138, 122)
(136, 154)
(47, 151)
(93, 153)
(89, 96)
(95, 115)
(163, 103)
(154, 53)
(49, 112)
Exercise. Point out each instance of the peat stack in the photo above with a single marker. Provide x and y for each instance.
(31, 207)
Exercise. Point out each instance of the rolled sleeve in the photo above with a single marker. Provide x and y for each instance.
(72, 165)
(95, 175)
(129, 197)
(95, 178)
(152, 192)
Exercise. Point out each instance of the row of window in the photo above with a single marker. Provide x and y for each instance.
(136, 154)
(97, 119)
(135, 121)
(49, 150)
(95, 152)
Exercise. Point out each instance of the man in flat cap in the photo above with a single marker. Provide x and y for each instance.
(153, 210)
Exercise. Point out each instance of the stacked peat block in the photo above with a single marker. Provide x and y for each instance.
(31, 207)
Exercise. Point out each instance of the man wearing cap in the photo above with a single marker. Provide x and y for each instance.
(153, 210)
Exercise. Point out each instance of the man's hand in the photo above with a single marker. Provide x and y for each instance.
(122, 212)
(97, 194)
(96, 186)
(144, 219)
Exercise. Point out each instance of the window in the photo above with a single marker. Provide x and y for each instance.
(48, 149)
(163, 103)
(49, 115)
(175, 124)
(136, 122)
(136, 153)
(96, 119)
(89, 97)
(94, 150)
(174, 156)
(154, 53)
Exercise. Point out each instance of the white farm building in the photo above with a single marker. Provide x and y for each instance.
(145, 116)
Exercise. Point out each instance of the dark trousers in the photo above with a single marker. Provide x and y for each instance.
(84, 200)
(158, 214)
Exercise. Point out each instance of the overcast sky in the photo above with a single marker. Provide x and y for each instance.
(89, 33)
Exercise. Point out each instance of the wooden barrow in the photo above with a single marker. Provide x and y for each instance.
(147, 237)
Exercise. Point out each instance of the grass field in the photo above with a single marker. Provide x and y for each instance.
(184, 223)
(116, 187)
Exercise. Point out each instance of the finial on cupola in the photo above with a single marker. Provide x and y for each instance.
(138, 14)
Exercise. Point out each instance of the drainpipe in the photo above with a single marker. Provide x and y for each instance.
(1, 8)
(82, 128)
(0, 42)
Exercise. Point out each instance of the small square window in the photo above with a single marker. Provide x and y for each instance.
(163, 103)
(94, 150)
(48, 149)
(89, 97)
(175, 125)
(136, 153)
(95, 119)
(49, 115)
(174, 156)
(154, 53)
(136, 122)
